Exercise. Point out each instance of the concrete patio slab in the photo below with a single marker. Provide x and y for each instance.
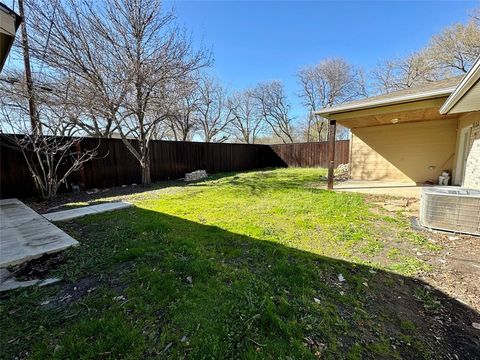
(86, 210)
(26, 235)
(399, 189)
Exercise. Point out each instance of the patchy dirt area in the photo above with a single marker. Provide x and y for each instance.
(38, 268)
(443, 326)
(455, 267)
(70, 292)
(387, 204)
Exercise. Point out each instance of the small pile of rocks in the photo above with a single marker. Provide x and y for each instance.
(196, 175)
(342, 172)
(342, 168)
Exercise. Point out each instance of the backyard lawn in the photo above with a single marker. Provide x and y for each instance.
(261, 264)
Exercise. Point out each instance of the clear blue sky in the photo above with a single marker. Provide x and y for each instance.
(266, 40)
(255, 41)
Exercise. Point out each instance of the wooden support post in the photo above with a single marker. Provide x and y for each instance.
(331, 152)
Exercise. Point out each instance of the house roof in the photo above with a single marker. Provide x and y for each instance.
(430, 90)
(466, 96)
(7, 10)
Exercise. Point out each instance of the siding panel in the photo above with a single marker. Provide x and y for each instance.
(416, 152)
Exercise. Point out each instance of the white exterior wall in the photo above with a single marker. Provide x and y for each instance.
(472, 167)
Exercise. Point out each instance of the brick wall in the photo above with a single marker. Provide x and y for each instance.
(472, 168)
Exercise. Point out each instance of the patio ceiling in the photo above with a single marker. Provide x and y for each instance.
(414, 104)
(424, 110)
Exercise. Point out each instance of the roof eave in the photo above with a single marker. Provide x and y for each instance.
(9, 35)
(327, 112)
(18, 18)
(465, 85)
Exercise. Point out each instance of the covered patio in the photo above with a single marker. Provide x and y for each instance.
(401, 141)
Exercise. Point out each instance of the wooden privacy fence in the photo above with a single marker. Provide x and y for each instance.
(116, 166)
(312, 154)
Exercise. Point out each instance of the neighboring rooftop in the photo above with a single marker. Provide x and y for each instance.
(430, 90)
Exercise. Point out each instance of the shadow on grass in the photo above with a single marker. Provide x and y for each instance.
(70, 200)
(255, 180)
(270, 180)
(198, 291)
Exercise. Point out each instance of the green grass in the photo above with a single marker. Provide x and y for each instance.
(264, 250)
(429, 301)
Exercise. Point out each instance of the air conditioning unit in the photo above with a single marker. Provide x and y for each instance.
(452, 209)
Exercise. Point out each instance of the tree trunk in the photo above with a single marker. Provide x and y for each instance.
(309, 127)
(34, 120)
(146, 177)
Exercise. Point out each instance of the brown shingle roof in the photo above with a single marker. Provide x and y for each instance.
(424, 91)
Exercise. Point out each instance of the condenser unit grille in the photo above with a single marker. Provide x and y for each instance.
(452, 209)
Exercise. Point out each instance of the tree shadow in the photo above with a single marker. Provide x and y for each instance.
(268, 180)
(70, 200)
(255, 180)
(232, 296)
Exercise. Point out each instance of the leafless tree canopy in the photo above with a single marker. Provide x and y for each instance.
(52, 109)
(451, 52)
(274, 108)
(402, 73)
(331, 82)
(123, 58)
(213, 115)
(456, 48)
(475, 15)
(246, 121)
(181, 115)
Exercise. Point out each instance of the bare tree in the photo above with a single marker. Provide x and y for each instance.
(213, 115)
(50, 156)
(66, 44)
(405, 72)
(181, 114)
(124, 57)
(456, 48)
(36, 126)
(331, 82)
(475, 15)
(247, 123)
(275, 109)
(449, 53)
